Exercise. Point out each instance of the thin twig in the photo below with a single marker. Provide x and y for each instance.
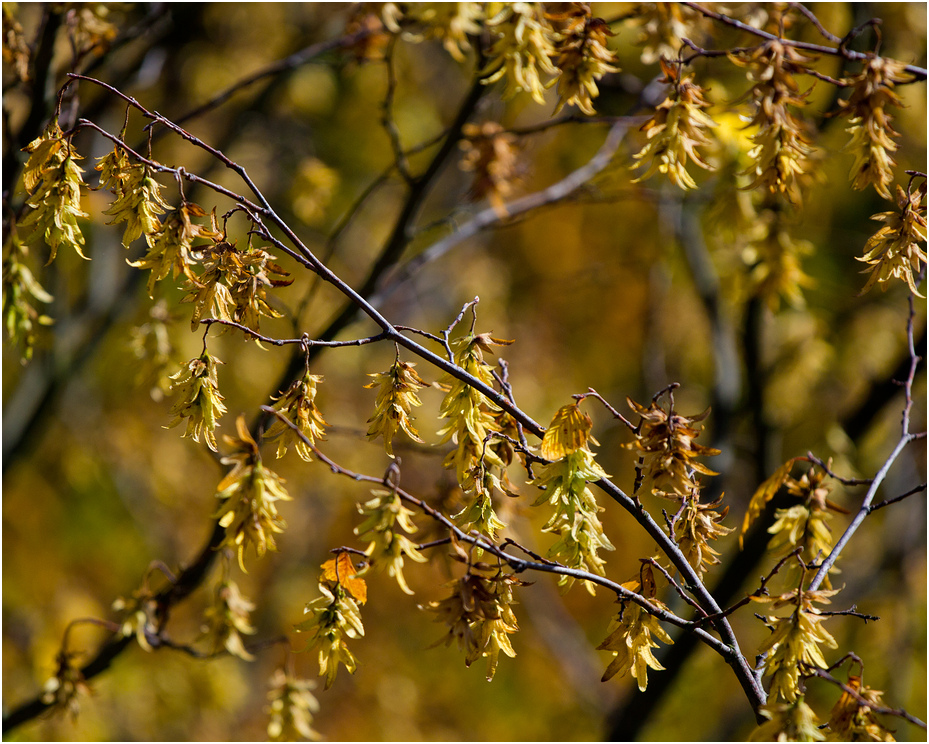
(446, 334)
(816, 22)
(503, 379)
(761, 591)
(895, 499)
(304, 340)
(898, 712)
(844, 481)
(434, 543)
(346, 549)
(841, 51)
(591, 393)
(852, 611)
(535, 556)
(420, 332)
(677, 587)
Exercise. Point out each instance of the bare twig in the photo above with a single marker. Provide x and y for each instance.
(303, 340)
(761, 591)
(898, 712)
(535, 556)
(887, 502)
(852, 611)
(446, 334)
(677, 587)
(816, 22)
(844, 481)
(906, 438)
(503, 379)
(840, 51)
(591, 393)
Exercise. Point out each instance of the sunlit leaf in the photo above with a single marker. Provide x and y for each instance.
(342, 571)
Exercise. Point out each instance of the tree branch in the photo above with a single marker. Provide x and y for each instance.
(905, 439)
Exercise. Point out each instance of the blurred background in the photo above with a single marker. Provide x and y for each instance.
(604, 291)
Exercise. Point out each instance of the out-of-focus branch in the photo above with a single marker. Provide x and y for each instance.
(39, 104)
(490, 217)
(400, 235)
(881, 393)
(295, 60)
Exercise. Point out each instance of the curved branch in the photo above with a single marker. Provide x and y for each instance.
(490, 217)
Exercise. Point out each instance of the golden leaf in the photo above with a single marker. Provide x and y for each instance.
(568, 432)
(764, 494)
(342, 571)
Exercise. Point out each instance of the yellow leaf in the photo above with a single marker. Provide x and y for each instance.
(568, 432)
(342, 571)
(764, 494)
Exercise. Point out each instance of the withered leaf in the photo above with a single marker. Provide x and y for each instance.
(342, 571)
